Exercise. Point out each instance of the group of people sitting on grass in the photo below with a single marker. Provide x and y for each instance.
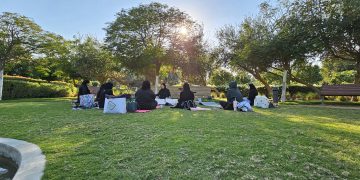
(146, 98)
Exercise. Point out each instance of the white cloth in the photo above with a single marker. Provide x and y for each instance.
(87, 101)
(261, 102)
(167, 100)
(171, 101)
(115, 105)
(160, 101)
(244, 105)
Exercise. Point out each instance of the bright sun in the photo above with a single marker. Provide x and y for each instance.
(183, 30)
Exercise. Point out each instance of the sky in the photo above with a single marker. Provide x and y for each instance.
(74, 17)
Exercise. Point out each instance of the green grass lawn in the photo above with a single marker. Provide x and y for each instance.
(288, 142)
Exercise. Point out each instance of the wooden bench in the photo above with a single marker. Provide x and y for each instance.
(339, 90)
(200, 91)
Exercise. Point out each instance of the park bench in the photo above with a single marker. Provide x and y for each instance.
(200, 91)
(339, 90)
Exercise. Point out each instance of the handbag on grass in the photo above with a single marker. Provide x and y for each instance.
(115, 105)
(131, 105)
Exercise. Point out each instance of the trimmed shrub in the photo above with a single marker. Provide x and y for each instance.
(22, 78)
(28, 89)
(293, 92)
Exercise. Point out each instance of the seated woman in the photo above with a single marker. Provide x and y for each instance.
(232, 93)
(145, 97)
(83, 89)
(186, 99)
(252, 93)
(164, 92)
(105, 90)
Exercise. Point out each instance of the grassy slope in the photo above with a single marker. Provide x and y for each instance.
(288, 142)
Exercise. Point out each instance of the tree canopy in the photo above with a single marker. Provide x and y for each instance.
(141, 37)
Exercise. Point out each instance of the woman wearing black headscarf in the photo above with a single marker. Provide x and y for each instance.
(83, 89)
(164, 92)
(145, 97)
(233, 93)
(252, 93)
(187, 97)
(105, 90)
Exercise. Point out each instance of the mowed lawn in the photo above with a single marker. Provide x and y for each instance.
(290, 142)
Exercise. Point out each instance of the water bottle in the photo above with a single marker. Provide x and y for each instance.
(235, 104)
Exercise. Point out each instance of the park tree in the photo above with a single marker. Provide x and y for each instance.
(140, 37)
(243, 49)
(338, 72)
(19, 37)
(335, 26)
(221, 77)
(189, 54)
(92, 61)
(292, 47)
(242, 77)
(53, 54)
(49, 61)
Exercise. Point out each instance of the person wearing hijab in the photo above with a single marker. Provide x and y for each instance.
(83, 89)
(145, 97)
(187, 97)
(164, 92)
(105, 90)
(232, 93)
(99, 92)
(252, 93)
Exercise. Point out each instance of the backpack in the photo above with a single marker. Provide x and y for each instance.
(188, 104)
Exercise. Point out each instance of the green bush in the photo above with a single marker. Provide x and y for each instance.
(95, 83)
(293, 92)
(214, 94)
(22, 78)
(27, 89)
(343, 98)
(222, 95)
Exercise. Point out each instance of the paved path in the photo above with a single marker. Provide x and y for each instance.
(333, 106)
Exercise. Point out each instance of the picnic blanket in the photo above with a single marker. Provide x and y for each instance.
(210, 104)
(200, 109)
(142, 111)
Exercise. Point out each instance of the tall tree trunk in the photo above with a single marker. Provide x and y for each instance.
(157, 72)
(357, 78)
(283, 88)
(2, 67)
(357, 75)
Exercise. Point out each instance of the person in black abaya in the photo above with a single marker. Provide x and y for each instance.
(252, 94)
(145, 97)
(164, 92)
(187, 97)
(233, 93)
(83, 89)
(105, 90)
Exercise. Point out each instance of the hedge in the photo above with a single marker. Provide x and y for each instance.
(292, 91)
(29, 89)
